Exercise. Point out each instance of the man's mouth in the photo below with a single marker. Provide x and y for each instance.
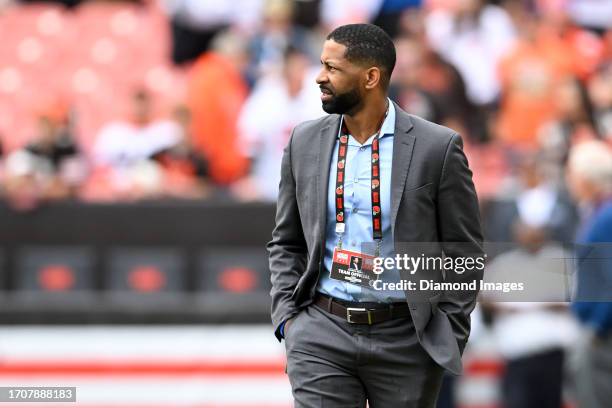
(326, 94)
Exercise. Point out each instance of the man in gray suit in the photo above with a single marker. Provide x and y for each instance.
(370, 181)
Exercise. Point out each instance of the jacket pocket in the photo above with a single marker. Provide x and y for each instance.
(424, 189)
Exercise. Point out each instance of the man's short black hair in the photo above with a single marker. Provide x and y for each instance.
(367, 44)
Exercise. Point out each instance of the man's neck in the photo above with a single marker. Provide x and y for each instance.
(367, 121)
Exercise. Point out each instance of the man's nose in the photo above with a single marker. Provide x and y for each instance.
(322, 77)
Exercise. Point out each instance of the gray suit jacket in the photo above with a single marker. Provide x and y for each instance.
(432, 201)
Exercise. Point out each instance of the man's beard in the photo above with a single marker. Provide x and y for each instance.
(342, 103)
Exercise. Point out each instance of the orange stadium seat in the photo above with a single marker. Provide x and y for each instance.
(93, 57)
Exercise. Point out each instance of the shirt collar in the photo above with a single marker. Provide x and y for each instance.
(388, 126)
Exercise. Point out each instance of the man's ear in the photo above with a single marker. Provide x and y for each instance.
(372, 77)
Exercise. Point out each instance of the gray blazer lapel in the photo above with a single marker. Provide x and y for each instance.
(403, 145)
(328, 136)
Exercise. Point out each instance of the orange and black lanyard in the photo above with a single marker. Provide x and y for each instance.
(375, 171)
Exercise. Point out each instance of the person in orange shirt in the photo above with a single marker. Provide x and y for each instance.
(552, 48)
(529, 75)
(216, 93)
(585, 48)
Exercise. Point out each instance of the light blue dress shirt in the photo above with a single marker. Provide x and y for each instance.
(358, 217)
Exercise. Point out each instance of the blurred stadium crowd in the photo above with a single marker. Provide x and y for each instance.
(128, 100)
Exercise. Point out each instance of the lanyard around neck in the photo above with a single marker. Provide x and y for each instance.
(375, 186)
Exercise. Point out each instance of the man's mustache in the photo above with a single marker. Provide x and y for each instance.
(329, 91)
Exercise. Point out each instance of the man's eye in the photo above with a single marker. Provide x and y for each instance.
(332, 69)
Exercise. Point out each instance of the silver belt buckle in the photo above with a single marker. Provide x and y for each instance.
(354, 309)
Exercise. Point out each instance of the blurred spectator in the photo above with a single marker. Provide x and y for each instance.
(338, 12)
(390, 15)
(6, 3)
(50, 167)
(574, 120)
(406, 87)
(532, 334)
(216, 92)
(185, 170)
(590, 181)
(293, 97)
(124, 143)
(67, 3)
(584, 48)
(277, 32)
(194, 23)
(600, 93)
(75, 3)
(442, 80)
(473, 37)
(426, 85)
(307, 13)
(21, 184)
(412, 24)
(53, 143)
(536, 200)
(530, 73)
(594, 14)
(122, 153)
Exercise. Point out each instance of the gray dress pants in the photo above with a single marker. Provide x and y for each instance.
(333, 363)
(592, 371)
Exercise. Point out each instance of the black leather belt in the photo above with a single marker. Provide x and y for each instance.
(354, 312)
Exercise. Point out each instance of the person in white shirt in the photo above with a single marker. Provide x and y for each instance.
(292, 96)
(473, 39)
(124, 143)
(532, 328)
